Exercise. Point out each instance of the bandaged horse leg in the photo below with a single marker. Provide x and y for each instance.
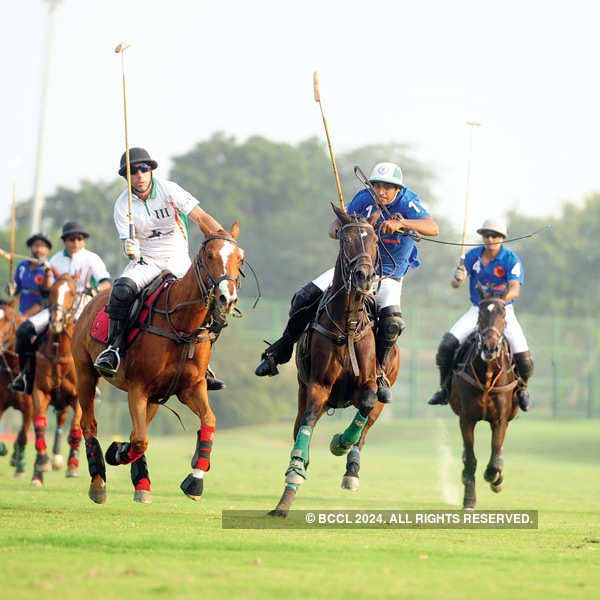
(303, 307)
(342, 442)
(74, 440)
(19, 454)
(467, 428)
(97, 470)
(390, 325)
(141, 481)
(57, 459)
(493, 472)
(42, 461)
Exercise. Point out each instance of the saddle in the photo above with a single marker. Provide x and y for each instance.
(340, 393)
(139, 312)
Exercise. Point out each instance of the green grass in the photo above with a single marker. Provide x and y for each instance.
(56, 542)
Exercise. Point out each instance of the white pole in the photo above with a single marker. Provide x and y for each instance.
(38, 198)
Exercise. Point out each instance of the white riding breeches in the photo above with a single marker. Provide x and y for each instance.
(390, 291)
(142, 273)
(512, 330)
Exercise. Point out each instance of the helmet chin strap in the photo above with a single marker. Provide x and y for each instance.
(142, 192)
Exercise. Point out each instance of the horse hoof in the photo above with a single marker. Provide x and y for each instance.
(468, 507)
(36, 482)
(43, 463)
(277, 512)
(97, 495)
(19, 474)
(70, 472)
(497, 487)
(350, 483)
(192, 487)
(57, 462)
(336, 446)
(143, 496)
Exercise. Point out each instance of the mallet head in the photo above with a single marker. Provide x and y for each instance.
(122, 47)
(316, 86)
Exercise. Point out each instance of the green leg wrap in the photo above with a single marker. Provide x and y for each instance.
(352, 433)
(3, 449)
(299, 455)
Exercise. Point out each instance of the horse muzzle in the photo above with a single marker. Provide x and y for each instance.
(363, 279)
(226, 297)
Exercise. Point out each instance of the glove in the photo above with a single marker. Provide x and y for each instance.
(44, 264)
(132, 249)
(460, 274)
(11, 288)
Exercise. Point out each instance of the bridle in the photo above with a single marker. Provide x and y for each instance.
(491, 332)
(67, 314)
(6, 341)
(349, 265)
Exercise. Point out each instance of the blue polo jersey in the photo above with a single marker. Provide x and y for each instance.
(401, 247)
(28, 285)
(494, 277)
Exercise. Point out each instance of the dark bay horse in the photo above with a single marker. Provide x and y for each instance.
(9, 367)
(171, 358)
(484, 389)
(342, 367)
(55, 380)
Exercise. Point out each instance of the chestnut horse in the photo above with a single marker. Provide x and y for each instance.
(170, 356)
(342, 359)
(9, 367)
(484, 389)
(55, 379)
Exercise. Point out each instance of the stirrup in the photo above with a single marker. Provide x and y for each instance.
(267, 366)
(19, 383)
(213, 383)
(104, 364)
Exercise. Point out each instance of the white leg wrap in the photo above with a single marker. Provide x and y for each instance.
(198, 473)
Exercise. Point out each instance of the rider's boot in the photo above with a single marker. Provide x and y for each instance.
(525, 369)
(23, 382)
(389, 326)
(444, 360)
(122, 295)
(304, 304)
(214, 384)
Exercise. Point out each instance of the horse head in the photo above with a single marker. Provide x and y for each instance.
(358, 250)
(8, 324)
(490, 324)
(218, 264)
(63, 294)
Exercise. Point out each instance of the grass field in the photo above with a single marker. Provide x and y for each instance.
(55, 543)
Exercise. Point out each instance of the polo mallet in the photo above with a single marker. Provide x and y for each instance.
(120, 49)
(13, 226)
(10, 256)
(335, 171)
(463, 250)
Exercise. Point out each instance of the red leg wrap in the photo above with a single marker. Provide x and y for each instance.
(75, 436)
(143, 484)
(40, 423)
(201, 459)
(132, 455)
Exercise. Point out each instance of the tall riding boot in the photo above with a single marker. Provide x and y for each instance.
(445, 361)
(525, 369)
(122, 295)
(389, 326)
(302, 310)
(25, 348)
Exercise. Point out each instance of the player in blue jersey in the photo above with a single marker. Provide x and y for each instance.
(29, 276)
(402, 210)
(499, 271)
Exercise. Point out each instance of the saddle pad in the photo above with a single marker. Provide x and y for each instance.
(99, 329)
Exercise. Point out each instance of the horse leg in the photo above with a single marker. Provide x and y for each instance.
(350, 480)
(467, 428)
(41, 400)
(86, 392)
(493, 472)
(21, 441)
(74, 439)
(196, 399)
(57, 459)
(139, 468)
(295, 474)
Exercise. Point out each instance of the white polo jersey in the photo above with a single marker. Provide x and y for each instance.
(160, 222)
(92, 267)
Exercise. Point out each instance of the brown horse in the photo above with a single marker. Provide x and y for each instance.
(170, 356)
(9, 367)
(55, 380)
(342, 368)
(484, 389)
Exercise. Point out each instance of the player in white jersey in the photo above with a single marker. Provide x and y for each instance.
(160, 211)
(93, 276)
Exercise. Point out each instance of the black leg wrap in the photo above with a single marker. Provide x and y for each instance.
(352, 464)
(117, 453)
(139, 470)
(192, 486)
(368, 399)
(95, 458)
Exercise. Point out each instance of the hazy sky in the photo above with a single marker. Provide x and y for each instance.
(391, 71)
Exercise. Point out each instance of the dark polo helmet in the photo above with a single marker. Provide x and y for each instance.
(39, 237)
(136, 155)
(71, 227)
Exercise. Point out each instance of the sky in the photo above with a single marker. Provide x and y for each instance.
(397, 71)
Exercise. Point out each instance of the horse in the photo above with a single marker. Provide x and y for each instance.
(169, 356)
(343, 367)
(483, 388)
(55, 380)
(10, 319)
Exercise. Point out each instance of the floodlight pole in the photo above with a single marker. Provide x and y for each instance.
(38, 198)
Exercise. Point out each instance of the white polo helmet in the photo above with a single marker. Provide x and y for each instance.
(497, 225)
(388, 173)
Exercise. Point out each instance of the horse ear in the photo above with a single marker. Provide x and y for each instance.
(235, 230)
(374, 217)
(340, 214)
(482, 291)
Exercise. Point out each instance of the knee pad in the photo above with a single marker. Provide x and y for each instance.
(446, 349)
(524, 364)
(390, 324)
(122, 296)
(304, 297)
(24, 333)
